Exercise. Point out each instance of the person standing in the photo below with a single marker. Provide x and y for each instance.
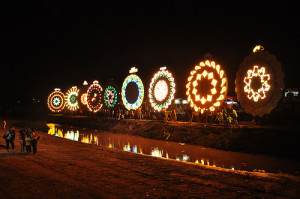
(4, 124)
(34, 140)
(22, 139)
(235, 116)
(139, 113)
(28, 142)
(174, 116)
(9, 137)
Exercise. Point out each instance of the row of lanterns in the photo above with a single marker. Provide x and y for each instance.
(259, 81)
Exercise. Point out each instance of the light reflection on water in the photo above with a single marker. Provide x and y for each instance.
(178, 151)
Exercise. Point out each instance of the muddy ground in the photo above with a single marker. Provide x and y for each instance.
(66, 169)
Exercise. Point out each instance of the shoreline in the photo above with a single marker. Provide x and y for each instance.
(274, 141)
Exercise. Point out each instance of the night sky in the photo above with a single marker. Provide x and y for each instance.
(47, 45)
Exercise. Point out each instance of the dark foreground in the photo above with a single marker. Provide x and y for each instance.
(67, 169)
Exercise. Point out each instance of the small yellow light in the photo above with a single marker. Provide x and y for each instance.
(214, 82)
(218, 68)
(188, 85)
(195, 83)
(198, 76)
(213, 64)
(210, 75)
(204, 73)
(223, 89)
(213, 91)
(209, 97)
(223, 81)
(203, 100)
(207, 63)
(221, 97)
(217, 104)
(197, 97)
(221, 74)
(194, 91)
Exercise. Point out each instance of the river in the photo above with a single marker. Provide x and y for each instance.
(178, 151)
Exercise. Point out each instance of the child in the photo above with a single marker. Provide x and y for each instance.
(28, 143)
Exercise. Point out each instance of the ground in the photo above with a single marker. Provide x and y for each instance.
(66, 169)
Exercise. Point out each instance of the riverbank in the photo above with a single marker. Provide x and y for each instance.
(274, 141)
(66, 169)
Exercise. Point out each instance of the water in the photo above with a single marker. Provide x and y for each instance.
(178, 151)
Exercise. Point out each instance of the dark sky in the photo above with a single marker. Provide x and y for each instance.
(51, 45)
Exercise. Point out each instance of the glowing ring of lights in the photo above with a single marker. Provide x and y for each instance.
(260, 93)
(71, 98)
(161, 90)
(215, 77)
(259, 82)
(94, 97)
(135, 79)
(56, 101)
(110, 96)
(83, 99)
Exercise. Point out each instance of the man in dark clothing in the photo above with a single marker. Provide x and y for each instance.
(9, 137)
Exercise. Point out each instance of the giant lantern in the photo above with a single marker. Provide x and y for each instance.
(207, 86)
(111, 95)
(56, 101)
(259, 82)
(83, 96)
(72, 99)
(132, 91)
(94, 102)
(161, 90)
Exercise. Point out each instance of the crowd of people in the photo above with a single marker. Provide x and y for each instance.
(223, 115)
(28, 138)
(139, 114)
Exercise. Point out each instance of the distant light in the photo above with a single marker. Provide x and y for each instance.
(257, 48)
(185, 102)
(185, 158)
(133, 70)
(177, 101)
(85, 83)
(163, 68)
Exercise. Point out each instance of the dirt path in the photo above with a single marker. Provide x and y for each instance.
(68, 169)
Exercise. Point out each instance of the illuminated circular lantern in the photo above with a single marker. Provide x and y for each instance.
(161, 90)
(207, 86)
(82, 95)
(71, 98)
(56, 101)
(259, 82)
(110, 96)
(83, 98)
(94, 97)
(132, 92)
